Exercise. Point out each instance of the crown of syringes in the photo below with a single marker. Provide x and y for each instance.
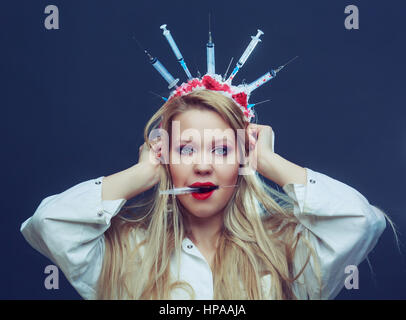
(212, 81)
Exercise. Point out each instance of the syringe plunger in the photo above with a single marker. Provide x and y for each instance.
(250, 48)
(175, 50)
(246, 54)
(172, 43)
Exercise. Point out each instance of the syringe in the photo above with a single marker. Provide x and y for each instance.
(245, 55)
(210, 54)
(159, 67)
(175, 50)
(266, 77)
(162, 71)
(184, 190)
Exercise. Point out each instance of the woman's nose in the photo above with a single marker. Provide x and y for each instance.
(203, 168)
(203, 163)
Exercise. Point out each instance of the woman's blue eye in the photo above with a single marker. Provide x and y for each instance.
(182, 149)
(224, 150)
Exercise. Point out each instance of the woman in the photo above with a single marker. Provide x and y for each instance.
(245, 241)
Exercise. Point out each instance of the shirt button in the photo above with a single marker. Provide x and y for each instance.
(189, 246)
(97, 182)
(100, 213)
(312, 181)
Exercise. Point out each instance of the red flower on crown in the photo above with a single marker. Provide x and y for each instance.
(241, 98)
(210, 83)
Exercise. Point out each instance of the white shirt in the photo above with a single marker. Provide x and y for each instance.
(339, 222)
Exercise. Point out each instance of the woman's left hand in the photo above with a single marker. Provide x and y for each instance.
(263, 159)
(261, 142)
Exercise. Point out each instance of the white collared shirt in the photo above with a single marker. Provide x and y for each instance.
(339, 222)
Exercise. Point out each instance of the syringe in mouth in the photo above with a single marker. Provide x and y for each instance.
(184, 190)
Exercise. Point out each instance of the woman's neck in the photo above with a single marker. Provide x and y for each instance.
(204, 232)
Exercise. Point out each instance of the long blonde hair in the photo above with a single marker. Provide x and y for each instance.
(139, 244)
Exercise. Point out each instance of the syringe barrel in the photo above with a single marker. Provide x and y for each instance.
(211, 67)
(248, 51)
(164, 73)
(173, 45)
(178, 191)
(261, 80)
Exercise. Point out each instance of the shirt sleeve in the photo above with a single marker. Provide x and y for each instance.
(68, 228)
(341, 226)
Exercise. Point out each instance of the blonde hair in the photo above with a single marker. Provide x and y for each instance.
(252, 244)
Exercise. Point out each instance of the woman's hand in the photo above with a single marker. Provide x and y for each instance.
(261, 146)
(263, 159)
(138, 178)
(150, 160)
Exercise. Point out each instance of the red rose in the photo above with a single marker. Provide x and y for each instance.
(210, 83)
(241, 98)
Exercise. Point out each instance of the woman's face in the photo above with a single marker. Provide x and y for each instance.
(195, 156)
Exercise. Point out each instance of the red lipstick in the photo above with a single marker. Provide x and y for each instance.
(199, 184)
(205, 195)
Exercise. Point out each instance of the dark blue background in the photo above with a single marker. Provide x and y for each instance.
(75, 101)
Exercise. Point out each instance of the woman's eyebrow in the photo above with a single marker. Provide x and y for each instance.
(224, 139)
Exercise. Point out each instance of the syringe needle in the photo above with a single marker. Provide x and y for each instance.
(262, 102)
(138, 43)
(210, 40)
(225, 75)
(284, 65)
(290, 61)
(158, 95)
(150, 57)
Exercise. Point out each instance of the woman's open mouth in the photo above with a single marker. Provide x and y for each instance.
(203, 195)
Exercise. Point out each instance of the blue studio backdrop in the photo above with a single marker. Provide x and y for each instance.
(75, 101)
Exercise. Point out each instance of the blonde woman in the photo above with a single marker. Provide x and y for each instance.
(244, 241)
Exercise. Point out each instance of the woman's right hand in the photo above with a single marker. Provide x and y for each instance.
(144, 175)
(150, 159)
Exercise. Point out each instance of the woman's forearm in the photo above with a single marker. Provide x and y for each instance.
(282, 171)
(126, 184)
